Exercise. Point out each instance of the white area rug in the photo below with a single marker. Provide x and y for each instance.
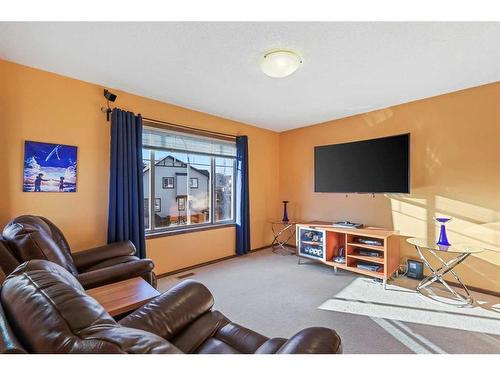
(400, 302)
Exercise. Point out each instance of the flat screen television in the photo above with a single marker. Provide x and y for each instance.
(379, 165)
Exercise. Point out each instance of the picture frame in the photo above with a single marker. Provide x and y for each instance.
(157, 207)
(49, 167)
(168, 183)
(193, 183)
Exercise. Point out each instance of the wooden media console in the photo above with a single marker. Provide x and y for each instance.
(322, 242)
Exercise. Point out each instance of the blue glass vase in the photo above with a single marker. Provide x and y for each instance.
(285, 213)
(443, 238)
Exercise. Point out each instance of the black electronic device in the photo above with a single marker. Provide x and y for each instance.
(367, 241)
(415, 269)
(369, 266)
(368, 253)
(109, 95)
(346, 224)
(379, 165)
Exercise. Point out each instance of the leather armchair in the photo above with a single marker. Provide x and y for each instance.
(7, 261)
(34, 237)
(43, 309)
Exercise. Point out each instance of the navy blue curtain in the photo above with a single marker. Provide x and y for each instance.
(126, 209)
(242, 197)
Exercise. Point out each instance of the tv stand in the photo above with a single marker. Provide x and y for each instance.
(369, 251)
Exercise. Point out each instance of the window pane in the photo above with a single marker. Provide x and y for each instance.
(224, 177)
(199, 193)
(182, 196)
(199, 160)
(170, 208)
(224, 162)
(173, 140)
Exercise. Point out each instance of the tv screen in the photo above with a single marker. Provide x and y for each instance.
(379, 165)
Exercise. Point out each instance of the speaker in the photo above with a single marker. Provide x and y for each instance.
(415, 269)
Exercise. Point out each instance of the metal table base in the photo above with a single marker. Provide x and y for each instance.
(281, 237)
(437, 276)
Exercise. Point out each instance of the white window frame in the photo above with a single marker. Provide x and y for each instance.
(152, 231)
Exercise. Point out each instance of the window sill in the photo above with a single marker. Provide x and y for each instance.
(174, 232)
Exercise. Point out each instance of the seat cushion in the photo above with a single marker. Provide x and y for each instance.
(213, 333)
(242, 339)
(190, 339)
(30, 237)
(216, 346)
(271, 346)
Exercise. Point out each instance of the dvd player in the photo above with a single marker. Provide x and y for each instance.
(347, 224)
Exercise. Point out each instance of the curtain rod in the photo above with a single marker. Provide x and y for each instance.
(232, 136)
(174, 125)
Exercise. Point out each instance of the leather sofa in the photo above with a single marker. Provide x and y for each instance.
(44, 309)
(34, 237)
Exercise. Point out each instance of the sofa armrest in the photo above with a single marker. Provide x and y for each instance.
(313, 340)
(8, 341)
(88, 258)
(172, 311)
(115, 273)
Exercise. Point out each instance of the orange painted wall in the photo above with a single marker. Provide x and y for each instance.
(455, 171)
(455, 168)
(41, 106)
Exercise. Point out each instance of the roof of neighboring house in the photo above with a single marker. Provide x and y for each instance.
(174, 160)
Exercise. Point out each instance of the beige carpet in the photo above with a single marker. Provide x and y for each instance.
(275, 296)
(401, 302)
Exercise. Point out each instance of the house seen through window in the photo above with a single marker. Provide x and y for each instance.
(188, 180)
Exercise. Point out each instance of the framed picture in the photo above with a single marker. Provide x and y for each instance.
(193, 182)
(49, 167)
(168, 182)
(157, 204)
(181, 203)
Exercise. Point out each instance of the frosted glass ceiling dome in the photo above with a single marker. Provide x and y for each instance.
(279, 63)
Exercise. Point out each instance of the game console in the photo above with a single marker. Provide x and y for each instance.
(367, 241)
(347, 224)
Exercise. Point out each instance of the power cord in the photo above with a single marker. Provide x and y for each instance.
(403, 268)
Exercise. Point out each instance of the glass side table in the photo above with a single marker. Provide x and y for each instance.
(283, 231)
(460, 252)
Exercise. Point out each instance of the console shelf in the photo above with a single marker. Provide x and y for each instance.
(365, 246)
(312, 243)
(379, 260)
(322, 242)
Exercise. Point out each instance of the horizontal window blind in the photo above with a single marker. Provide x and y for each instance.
(179, 141)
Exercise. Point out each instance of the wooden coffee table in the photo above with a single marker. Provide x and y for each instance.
(123, 296)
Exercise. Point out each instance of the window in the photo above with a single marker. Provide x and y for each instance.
(191, 179)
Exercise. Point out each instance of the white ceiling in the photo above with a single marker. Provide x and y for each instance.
(213, 67)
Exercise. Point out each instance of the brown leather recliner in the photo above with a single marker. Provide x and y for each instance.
(7, 261)
(43, 309)
(34, 237)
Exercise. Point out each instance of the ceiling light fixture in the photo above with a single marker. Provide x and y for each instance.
(279, 63)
